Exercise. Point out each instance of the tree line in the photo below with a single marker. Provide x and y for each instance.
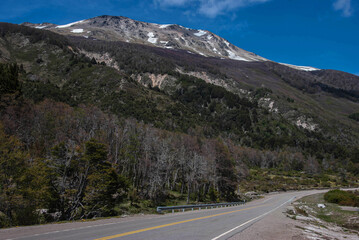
(77, 163)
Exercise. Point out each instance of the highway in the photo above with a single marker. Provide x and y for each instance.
(218, 223)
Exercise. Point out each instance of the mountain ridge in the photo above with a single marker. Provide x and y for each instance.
(170, 36)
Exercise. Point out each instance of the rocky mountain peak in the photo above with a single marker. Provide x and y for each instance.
(169, 36)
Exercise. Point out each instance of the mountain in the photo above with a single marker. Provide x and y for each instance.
(143, 124)
(170, 36)
(173, 36)
(153, 55)
(302, 95)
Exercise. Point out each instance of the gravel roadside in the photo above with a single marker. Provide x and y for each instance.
(278, 226)
(275, 225)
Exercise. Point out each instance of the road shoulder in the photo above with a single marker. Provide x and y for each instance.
(282, 224)
(273, 226)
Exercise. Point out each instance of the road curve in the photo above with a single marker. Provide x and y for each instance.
(219, 223)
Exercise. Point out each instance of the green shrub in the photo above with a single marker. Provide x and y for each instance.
(340, 197)
(354, 116)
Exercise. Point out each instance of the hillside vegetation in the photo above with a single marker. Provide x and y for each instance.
(82, 139)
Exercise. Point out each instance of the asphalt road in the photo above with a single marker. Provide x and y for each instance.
(219, 223)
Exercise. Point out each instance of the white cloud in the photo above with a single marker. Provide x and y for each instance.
(172, 3)
(344, 6)
(210, 8)
(213, 8)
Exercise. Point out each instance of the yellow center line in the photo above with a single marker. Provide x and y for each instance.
(174, 223)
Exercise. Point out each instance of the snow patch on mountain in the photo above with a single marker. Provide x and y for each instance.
(165, 25)
(70, 24)
(200, 53)
(151, 38)
(78, 30)
(303, 68)
(233, 56)
(184, 27)
(200, 33)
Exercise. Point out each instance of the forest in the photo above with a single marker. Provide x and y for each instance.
(63, 163)
(80, 140)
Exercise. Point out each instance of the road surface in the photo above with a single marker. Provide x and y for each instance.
(219, 223)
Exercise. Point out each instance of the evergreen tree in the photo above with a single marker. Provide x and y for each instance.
(9, 82)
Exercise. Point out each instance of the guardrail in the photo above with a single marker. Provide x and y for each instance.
(198, 206)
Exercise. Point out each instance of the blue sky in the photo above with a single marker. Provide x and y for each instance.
(318, 33)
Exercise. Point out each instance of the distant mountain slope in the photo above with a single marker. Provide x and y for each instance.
(339, 79)
(170, 36)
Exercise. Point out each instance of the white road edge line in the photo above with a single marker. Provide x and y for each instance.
(253, 219)
(267, 200)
